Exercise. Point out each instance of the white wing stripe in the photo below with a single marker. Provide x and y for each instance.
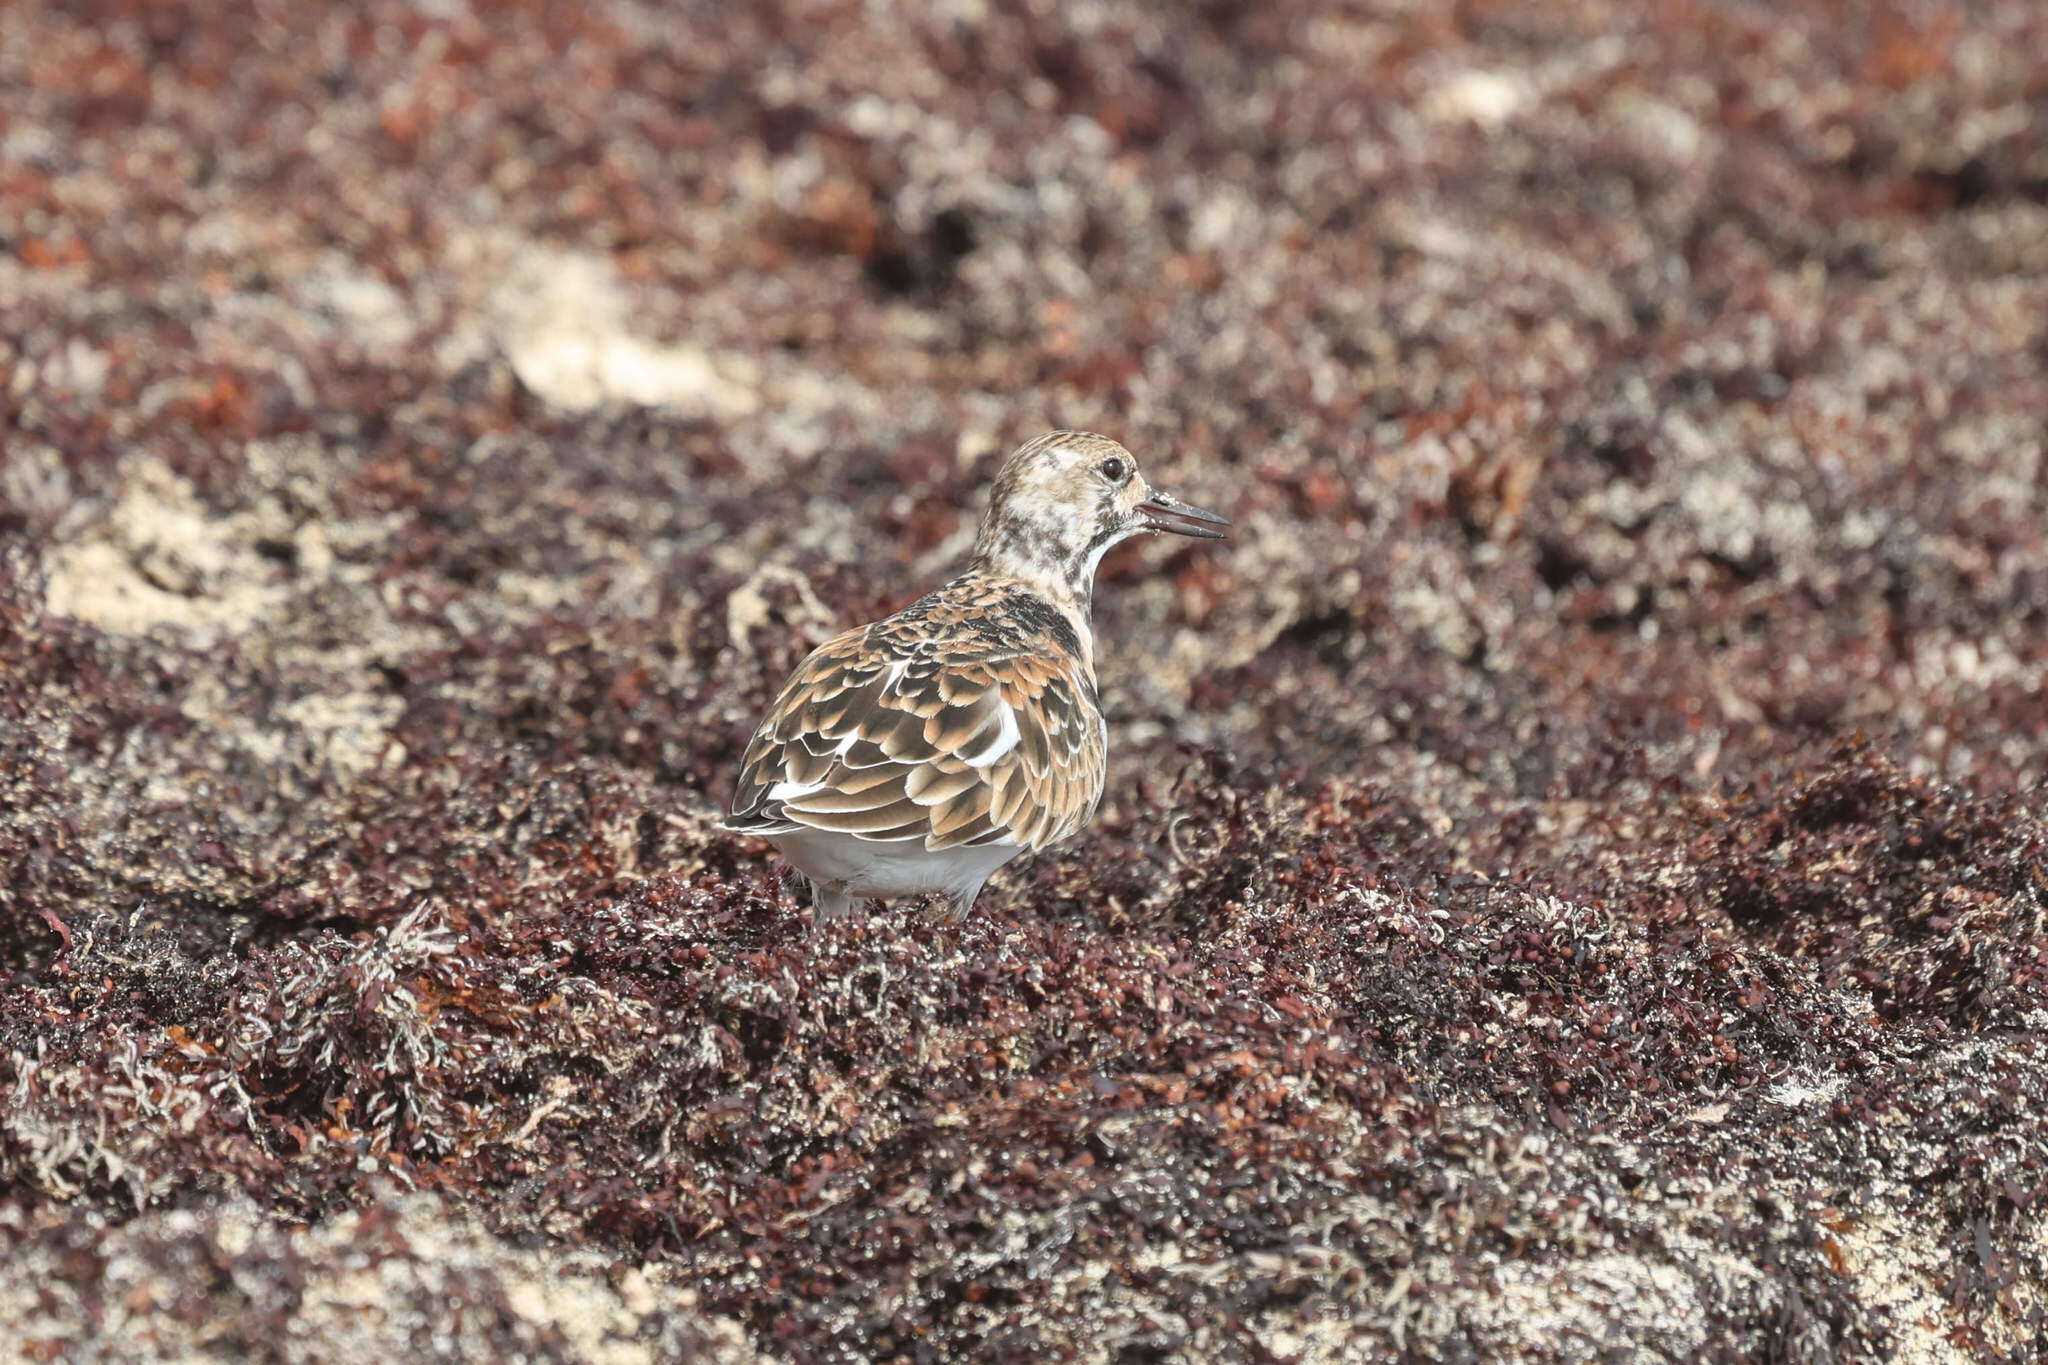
(1005, 740)
(792, 791)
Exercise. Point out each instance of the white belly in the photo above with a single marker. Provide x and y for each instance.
(893, 867)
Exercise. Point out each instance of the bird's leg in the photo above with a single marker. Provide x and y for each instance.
(958, 905)
(829, 901)
(950, 939)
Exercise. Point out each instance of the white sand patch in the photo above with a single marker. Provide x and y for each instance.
(561, 320)
(160, 560)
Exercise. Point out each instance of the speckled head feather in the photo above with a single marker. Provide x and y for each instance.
(1062, 501)
(922, 752)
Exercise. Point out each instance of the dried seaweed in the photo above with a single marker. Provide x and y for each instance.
(1572, 884)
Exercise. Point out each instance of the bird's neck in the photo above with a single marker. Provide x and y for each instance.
(1061, 573)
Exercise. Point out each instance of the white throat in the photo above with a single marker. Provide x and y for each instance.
(1086, 576)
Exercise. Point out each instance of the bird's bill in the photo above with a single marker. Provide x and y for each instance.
(1165, 512)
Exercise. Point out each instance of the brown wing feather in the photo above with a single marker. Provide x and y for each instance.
(877, 731)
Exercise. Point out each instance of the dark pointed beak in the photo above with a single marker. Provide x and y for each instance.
(1165, 512)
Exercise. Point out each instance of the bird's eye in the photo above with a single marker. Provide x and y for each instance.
(1113, 469)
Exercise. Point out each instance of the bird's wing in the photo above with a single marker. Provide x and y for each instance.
(972, 740)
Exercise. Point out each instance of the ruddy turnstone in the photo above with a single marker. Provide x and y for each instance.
(921, 753)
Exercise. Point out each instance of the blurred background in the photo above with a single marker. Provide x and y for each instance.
(432, 430)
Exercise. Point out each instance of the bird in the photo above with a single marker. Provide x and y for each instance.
(916, 755)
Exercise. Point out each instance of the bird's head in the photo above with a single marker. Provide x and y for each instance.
(1063, 499)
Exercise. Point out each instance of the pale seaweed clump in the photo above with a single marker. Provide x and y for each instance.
(401, 1277)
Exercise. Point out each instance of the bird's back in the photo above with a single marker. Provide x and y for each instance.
(969, 718)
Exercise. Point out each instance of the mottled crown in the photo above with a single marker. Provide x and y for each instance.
(1053, 450)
